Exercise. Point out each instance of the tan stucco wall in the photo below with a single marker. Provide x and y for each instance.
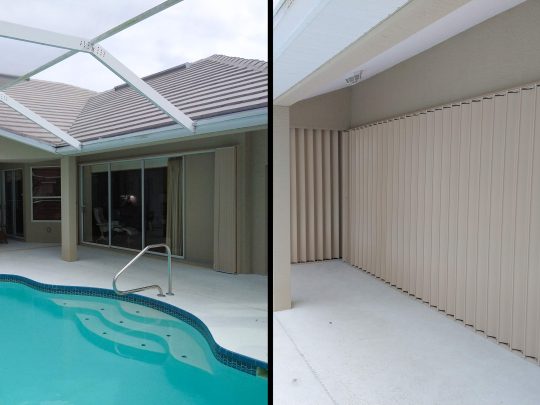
(330, 111)
(500, 53)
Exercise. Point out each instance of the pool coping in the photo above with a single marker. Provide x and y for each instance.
(227, 357)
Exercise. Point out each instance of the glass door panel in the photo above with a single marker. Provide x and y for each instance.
(155, 202)
(95, 206)
(126, 204)
(11, 202)
(8, 175)
(18, 203)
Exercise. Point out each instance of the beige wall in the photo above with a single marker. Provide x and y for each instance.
(199, 208)
(329, 111)
(500, 53)
(443, 204)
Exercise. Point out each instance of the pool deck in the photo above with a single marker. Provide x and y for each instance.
(234, 307)
(353, 339)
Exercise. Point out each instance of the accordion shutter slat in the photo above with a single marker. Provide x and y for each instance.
(436, 218)
(523, 207)
(301, 184)
(345, 197)
(319, 225)
(472, 218)
(453, 209)
(495, 231)
(445, 206)
(509, 216)
(395, 197)
(422, 143)
(463, 209)
(532, 338)
(294, 202)
(484, 214)
(335, 195)
(407, 206)
(414, 203)
(327, 164)
(310, 196)
(428, 206)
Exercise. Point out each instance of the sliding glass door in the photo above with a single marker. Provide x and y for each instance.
(132, 204)
(11, 202)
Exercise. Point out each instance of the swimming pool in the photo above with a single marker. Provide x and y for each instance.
(80, 345)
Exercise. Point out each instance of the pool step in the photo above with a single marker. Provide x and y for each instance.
(169, 331)
(121, 342)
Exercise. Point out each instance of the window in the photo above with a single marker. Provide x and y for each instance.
(46, 195)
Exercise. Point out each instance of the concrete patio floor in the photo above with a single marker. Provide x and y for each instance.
(353, 339)
(234, 307)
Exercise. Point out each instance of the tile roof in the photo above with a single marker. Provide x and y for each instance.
(213, 86)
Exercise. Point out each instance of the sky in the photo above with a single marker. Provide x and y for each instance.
(186, 32)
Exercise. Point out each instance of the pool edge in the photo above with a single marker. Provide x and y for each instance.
(227, 357)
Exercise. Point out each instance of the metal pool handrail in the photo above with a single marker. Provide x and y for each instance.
(141, 253)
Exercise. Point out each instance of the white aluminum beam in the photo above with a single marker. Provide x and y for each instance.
(126, 24)
(42, 122)
(30, 34)
(144, 89)
(39, 36)
(115, 30)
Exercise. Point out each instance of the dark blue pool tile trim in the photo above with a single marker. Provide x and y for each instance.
(227, 357)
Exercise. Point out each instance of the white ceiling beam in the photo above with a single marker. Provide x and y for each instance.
(30, 34)
(42, 122)
(107, 34)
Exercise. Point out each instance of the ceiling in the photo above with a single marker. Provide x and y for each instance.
(318, 44)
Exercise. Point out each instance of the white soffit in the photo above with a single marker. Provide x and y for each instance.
(331, 74)
(308, 33)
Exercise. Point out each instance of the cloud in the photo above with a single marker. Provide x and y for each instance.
(186, 32)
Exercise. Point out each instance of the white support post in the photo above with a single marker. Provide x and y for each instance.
(42, 122)
(281, 209)
(68, 173)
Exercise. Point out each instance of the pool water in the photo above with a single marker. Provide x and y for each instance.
(72, 349)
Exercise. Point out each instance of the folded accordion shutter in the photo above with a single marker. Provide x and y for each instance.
(443, 204)
(316, 205)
